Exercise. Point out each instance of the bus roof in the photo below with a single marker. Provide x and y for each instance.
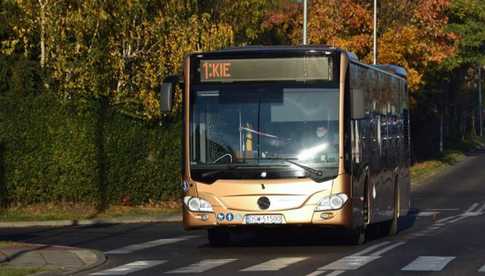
(302, 49)
(272, 49)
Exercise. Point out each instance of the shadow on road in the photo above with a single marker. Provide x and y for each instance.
(308, 236)
(476, 152)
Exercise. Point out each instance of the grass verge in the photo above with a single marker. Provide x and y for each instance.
(78, 211)
(18, 271)
(425, 169)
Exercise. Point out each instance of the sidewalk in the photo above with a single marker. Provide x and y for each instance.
(52, 260)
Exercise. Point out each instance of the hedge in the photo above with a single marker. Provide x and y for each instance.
(51, 151)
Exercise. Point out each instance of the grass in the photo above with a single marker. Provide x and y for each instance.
(18, 271)
(425, 169)
(10, 244)
(69, 211)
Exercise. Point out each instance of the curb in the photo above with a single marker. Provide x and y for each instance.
(90, 257)
(89, 222)
(100, 259)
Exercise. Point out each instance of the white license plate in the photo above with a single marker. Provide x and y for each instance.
(264, 219)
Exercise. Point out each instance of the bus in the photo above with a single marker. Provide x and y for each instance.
(300, 135)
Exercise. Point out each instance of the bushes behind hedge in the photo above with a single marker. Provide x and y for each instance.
(63, 152)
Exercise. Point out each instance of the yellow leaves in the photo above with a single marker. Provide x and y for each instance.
(410, 33)
(150, 103)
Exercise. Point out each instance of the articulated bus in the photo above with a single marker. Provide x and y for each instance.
(303, 135)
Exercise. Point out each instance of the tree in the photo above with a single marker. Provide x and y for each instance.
(416, 39)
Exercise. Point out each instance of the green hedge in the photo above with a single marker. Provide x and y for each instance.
(57, 152)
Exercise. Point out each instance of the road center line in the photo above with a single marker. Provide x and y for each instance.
(370, 248)
(129, 268)
(481, 208)
(388, 248)
(469, 210)
(145, 245)
(443, 220)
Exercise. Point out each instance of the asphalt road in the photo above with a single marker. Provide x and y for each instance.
(444, 235)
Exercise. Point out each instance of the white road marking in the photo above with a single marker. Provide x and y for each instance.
(357, 260)
(427, 214)
(443, 209)
(202, 266)
(130, 267)
(443, 220)
(387, 248)
(370, 248)
(335, 273)
(350, 263)
(317, 272)
(275, 264)
(469, 210)
(482, 209)
(140, 246)
(428, 263)
(457, 219)
(482, 269)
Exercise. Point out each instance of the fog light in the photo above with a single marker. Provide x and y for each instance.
(204, 217)
(326, 215)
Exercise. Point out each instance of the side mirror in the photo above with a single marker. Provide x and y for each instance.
(167, 93)
(357, 104)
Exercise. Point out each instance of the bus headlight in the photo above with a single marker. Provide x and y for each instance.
(332, 202)
(196, 204)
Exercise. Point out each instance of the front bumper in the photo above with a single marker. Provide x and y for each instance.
(301, 216)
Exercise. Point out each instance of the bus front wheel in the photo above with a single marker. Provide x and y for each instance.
(392, 226)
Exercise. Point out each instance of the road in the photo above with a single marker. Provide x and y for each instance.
(444, 234)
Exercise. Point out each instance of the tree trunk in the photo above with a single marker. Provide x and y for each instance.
(42, 5)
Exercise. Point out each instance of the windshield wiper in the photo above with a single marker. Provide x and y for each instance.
(214, 172)
(314, 172)
(310, 170)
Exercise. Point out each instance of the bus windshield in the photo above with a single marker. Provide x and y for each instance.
(239, 129)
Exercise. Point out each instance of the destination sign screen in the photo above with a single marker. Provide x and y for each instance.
(266, 69)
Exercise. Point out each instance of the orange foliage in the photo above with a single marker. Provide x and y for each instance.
(410, 33)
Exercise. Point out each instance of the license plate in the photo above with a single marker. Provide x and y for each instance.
(264, 219)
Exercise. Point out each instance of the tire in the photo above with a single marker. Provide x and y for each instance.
(358, 236)
(391, 228)
(218, 237)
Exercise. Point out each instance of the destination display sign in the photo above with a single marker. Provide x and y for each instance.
(266, 69)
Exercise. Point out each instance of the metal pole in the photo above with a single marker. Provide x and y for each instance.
(305, 6)
(375, 32)
(480, 105)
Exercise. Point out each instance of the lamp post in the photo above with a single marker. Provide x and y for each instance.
(480, 105)
(305, 12)
(375, 33)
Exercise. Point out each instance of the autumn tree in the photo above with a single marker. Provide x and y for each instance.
(410, 33)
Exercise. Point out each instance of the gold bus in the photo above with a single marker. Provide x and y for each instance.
(303, 135)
